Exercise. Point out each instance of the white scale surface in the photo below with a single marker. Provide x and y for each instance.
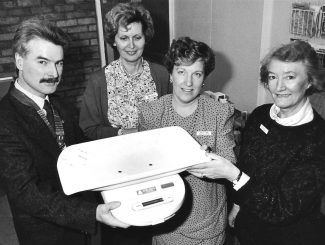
(139, 170)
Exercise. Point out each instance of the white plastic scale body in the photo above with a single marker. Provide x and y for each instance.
(140, 170)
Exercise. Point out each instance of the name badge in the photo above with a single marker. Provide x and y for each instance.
(203, 133)
(264, 129)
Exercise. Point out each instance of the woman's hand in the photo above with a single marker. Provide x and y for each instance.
(217, 168)
(232, 215)
(129, 131)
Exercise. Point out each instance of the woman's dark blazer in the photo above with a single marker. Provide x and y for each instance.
(93, 112)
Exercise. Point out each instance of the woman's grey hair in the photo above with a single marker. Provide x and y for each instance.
(296, 51)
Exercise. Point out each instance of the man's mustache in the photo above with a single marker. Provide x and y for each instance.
(50, 80)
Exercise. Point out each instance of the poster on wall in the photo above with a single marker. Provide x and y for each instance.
(158, 46)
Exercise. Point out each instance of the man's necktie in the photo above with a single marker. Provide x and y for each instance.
(49, 113)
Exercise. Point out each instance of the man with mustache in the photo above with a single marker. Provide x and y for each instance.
(34, 128)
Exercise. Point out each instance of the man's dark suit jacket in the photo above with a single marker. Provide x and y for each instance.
(28, 156)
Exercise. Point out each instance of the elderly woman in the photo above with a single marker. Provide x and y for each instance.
(109, 105)
(283, 152)
(202, 218)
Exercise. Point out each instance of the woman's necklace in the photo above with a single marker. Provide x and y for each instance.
(138, 69)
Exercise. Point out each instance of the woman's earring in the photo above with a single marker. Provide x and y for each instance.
(202, 85)
(170, 79)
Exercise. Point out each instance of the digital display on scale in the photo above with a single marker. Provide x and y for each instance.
(158, 200)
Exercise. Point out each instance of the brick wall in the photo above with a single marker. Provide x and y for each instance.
(76, 17)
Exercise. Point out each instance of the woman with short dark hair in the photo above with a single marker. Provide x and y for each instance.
(202, 218)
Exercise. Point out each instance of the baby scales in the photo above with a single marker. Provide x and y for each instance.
(140, 170)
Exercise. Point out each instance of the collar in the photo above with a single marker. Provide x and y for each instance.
(38, 100)
(304, 115)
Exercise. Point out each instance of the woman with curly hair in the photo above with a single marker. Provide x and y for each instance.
(202, 218)
(109, 105)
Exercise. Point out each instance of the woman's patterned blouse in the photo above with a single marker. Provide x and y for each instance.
(125, 92)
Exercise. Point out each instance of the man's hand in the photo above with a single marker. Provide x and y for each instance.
(104, 215)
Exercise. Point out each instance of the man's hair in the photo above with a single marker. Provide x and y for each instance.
(37, 27)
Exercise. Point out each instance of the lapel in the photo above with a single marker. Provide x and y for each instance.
(33, 126)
